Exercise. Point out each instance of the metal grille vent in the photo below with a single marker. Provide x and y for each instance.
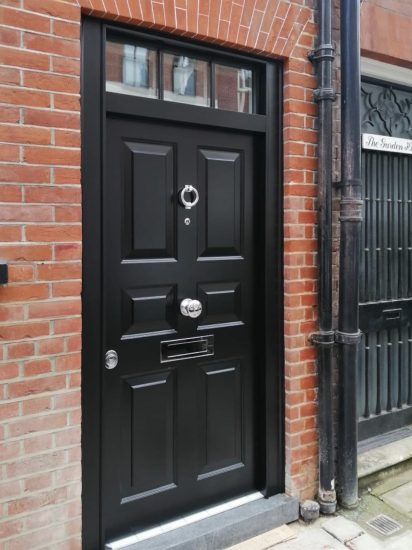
(384, 525)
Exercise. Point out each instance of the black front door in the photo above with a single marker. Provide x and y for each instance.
(178, 417)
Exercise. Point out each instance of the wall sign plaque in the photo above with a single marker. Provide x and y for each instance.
(387, 144)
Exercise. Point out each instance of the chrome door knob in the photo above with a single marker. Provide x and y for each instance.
(111, 359)
(190, 308)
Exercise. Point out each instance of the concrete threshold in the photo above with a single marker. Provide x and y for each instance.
(219, 531)
(384, 456)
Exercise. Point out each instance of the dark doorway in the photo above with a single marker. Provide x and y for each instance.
(385, 365)
(177, 240)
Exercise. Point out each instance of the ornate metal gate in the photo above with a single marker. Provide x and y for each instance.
(385, 365)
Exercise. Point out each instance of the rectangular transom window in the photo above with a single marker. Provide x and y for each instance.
(171, 75)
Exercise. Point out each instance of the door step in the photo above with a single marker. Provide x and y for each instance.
(234, 522)
(379, 454)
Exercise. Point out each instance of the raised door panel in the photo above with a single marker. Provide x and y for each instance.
(148, 310)
(149, 214)
(220, 400)
(149, 435)
(222, 304)
(221, 180)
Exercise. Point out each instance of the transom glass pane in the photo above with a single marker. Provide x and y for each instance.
(131, 69)
(135, 69)
(186, 80)
(233, 89)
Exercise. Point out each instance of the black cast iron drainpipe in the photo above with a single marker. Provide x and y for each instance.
(348, 334)
(324, 339)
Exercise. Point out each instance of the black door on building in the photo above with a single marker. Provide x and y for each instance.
(182, 289)
(179, 408)
(385, 366)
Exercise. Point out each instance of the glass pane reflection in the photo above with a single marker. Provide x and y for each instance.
(233, 89)
(131, 69)
(186, 80)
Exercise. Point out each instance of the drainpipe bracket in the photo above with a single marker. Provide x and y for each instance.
(351, 338)
(325, 51)
(320, 94)
(324, 338)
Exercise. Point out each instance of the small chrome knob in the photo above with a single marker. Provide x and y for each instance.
(190, 308)
(111, 359)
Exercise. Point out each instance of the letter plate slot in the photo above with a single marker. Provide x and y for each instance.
(392, 314)
(186, 348)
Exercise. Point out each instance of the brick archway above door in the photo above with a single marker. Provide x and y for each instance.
(269, 27)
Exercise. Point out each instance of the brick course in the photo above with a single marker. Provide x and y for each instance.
(40, 224)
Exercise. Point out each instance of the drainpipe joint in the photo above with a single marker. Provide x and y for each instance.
(351, 210)
(327, 502)
(324, 338)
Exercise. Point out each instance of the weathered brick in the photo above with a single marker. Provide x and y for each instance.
(23, 331)
(24, 20)
(53, 233)
(34, 425)
(54, 308)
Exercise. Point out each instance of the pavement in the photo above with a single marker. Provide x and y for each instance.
(382, 521)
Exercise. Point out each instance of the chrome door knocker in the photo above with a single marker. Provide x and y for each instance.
(187, 203)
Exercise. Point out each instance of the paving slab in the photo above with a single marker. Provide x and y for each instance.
(364, 542)
(342, 529)
(267, 540)
(312, 537)
(401, 542)
(400, 498)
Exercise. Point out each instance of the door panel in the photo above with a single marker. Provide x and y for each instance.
(148, 310)
(221, 181)
(177, 435)
(223, 303)
(150, 445)
(148, 190)
(222, 448)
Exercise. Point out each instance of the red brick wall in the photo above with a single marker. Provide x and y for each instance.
(40, 233)
(387, 31)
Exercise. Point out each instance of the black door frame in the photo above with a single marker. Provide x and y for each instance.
(268, 130)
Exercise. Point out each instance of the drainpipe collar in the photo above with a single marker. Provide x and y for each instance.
(351, 338)
(325, 51)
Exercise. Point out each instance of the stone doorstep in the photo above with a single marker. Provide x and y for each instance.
(222, 530)
(386, 456)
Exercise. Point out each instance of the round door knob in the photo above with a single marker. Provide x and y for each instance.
(111, 359)
(190, 308)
